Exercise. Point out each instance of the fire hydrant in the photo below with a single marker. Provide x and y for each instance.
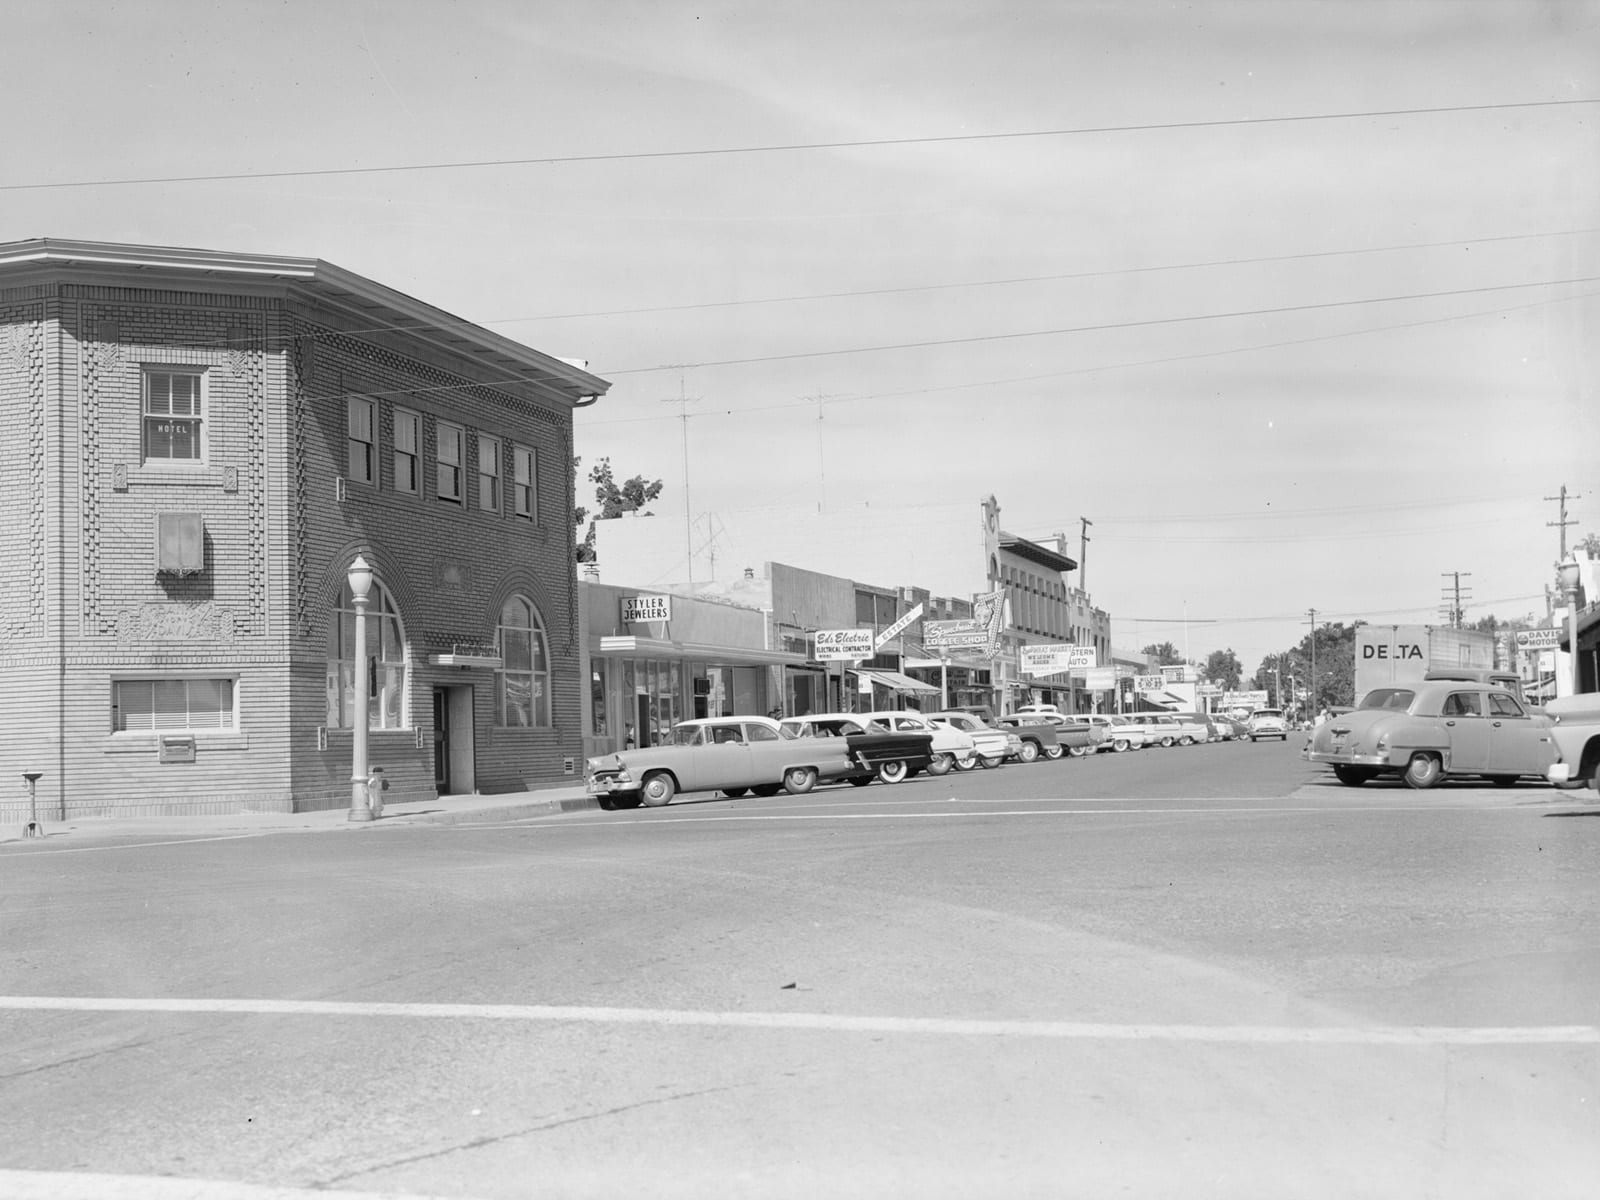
(377, 785)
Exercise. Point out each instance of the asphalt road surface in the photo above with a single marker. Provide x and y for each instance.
(1201, 972)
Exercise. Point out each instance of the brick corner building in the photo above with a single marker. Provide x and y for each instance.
(197, 445)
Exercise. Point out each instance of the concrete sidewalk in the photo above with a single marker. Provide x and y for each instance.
(445, 810)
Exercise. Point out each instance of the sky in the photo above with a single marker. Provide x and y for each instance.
(1295, 302)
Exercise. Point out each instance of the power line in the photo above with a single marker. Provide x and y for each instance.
(1021, 279)
(1107, 327)
(780, 148)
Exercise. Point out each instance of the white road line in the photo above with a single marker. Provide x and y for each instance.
(1376, 1035)
(86, 1185)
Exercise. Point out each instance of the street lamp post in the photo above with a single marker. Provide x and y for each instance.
(1570, 578)
(360, 578)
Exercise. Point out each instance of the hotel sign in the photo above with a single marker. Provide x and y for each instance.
(646, 608)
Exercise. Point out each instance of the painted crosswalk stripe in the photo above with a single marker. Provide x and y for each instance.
(1374, 1035)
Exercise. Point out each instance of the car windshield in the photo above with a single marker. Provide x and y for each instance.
(1396, 698)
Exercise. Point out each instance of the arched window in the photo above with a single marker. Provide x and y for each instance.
(386, 662)
(522, 685)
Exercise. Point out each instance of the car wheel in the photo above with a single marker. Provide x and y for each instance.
(658, 789)
(1077, 751)
(969, 763)
(734, 793)
(1118, 745)
(1029, 752)
(941, 763)
(1166, 743)
(990, 763)
(892, 772)
(797, 781)
(1503, 780)
(1424, 770)
(1054, 752)
(861, 780)
(766, 789)
(1186, 740)
(1350, 776)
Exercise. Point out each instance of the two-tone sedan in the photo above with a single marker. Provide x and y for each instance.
(731, 755)
(1433, 730)
(1577, 738)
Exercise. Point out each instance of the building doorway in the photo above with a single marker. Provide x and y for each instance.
(453, 767)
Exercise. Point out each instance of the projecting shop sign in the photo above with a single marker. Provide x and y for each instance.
(1045, 658)
(1149, 683)
(1538, 639)
(646, 608)
(838, 645)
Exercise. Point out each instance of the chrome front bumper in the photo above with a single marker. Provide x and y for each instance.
(1344, 758)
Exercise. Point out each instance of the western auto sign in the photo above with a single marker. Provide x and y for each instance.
(1538, 639)
(1082, 658)
(840, 645)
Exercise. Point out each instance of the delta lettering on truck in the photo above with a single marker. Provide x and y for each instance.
(1397, 655)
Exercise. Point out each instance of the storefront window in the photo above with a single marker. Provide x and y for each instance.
(599, 723)
(386, 663)
(522, 685)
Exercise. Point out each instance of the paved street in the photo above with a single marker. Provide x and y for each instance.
(1197, 972)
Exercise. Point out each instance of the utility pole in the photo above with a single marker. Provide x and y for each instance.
(685, 400)
(1562, 524)
(822, 479)
(1313, 690)
(1452, 610)
(1083, 554)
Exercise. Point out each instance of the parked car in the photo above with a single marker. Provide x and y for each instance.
(951, 747)
(1266, 723)
(877, 751)
(1078, 733)
(1576, 730)
(1229, 729)
(994, 745)
(733, 755)
(1038, 734)
(1158, 728)
(1436, 729)
(1117, 733)
(1193, 728)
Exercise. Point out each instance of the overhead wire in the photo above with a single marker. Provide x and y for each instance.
(790, 147)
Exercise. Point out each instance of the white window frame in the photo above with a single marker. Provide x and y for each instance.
(489, 468)
(200, 420)
(388, 663)
(407, 453)
(120, 706)
(525, 483)
(361, 456)
(448, 473)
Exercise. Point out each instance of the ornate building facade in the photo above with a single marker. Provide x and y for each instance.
(198, 445)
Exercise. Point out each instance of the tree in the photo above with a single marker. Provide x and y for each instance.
(1223, 667)
(613, 498)
(1166, 654)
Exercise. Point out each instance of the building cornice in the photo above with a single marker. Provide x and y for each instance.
(114, 263)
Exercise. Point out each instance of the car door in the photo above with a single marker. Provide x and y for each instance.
(1467, 731)
(721, 758)
(1518, 744)
(766, 755)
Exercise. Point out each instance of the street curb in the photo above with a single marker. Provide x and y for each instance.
(509, 812)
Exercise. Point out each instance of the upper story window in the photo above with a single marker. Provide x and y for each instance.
(524, 483)
(174, 415)
(407, 430)
(450, 460)
(488, 473)
(522, 685)
(362, 440)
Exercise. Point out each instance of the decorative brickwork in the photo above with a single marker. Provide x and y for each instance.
(22, 392)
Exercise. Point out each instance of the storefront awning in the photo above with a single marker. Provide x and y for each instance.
(628, 646)
(895, 680)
